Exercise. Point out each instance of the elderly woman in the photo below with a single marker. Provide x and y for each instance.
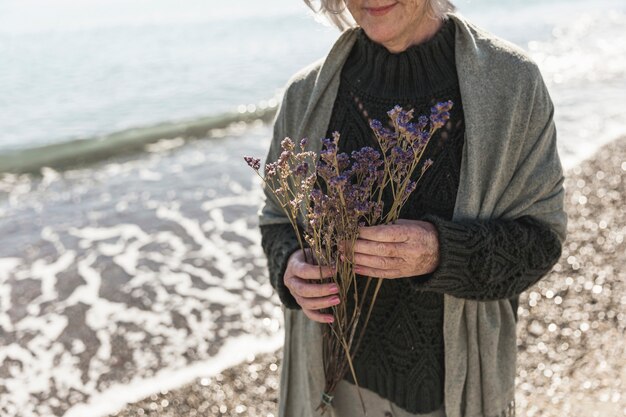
(485, 222)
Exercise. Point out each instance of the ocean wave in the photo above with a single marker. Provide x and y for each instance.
(129, 277)
(78, 152)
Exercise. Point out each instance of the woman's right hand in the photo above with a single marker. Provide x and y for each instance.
(302, 280)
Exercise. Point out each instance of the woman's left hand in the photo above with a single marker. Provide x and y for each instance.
(404, 249)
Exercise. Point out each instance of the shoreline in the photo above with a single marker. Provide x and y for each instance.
(82, 152)
(570, 322)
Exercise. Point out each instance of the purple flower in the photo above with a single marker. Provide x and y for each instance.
(400, 156)
(386, 138)
(343, 161)
(303, 143)
(329, 150)
(338, 181)
(287, 144)
(254, 163)
(309, 181)
(439, 119)
(377, 211)
(376, 125)
(283, 158)
(393, 113)
(409, 189)
(366, 156)
(440, 114)
(361, 208)
(443, 106)
(302, 169)
(404, 117)
(427, 164)
(270, 169)
(324, 170)
(326, 142)
(316, 194)
(399, 116)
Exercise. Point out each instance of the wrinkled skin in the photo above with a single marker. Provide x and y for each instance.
(404, 249)
(395, 24)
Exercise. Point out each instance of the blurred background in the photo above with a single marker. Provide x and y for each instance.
(130, 262)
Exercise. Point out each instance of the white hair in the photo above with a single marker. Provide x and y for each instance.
(336, 12)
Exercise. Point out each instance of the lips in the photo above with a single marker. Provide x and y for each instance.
(380, 11)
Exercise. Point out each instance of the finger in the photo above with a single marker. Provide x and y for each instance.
(384, 233)
(370, 247)
(304, 288)
(406, 221)
(319, 302)
(317, 316)
(308, 271)
(378, 262)
(378, 273)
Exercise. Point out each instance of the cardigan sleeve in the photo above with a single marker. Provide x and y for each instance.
(277, 236)
(279, 242)
(492, 259)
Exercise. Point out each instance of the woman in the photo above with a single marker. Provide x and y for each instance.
(485, 223)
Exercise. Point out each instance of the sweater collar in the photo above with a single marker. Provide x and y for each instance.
(418, 70)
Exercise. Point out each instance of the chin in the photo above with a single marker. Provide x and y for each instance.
(380, 35)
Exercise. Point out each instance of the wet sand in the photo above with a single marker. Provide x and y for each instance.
(571, 331)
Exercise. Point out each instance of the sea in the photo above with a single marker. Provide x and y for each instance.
(140, 269)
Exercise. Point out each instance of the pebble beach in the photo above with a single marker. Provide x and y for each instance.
(571, 326)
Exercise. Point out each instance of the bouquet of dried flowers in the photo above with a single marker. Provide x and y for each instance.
(327, 197)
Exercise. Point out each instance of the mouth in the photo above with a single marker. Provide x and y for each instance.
(380, 11)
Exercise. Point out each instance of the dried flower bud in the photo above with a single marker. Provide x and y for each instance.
(409, 189)
(375, 124)
(427, 164)
(393, 113)
(343, 161)
(284, 157)
(270, 169)
(302, 169)
(338, 181)
(309, 181)
(254, 163)
(444, 106)
(287, 144)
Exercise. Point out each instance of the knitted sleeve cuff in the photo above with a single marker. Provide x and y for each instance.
(453, 256)
(279, 243)
(490, 260)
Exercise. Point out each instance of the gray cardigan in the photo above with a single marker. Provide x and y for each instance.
(510, 168)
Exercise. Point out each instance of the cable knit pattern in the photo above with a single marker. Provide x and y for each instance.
(402, 354)
(491, 260)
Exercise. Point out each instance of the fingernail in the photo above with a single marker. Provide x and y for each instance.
(334, 288)
(334, 300)
(330, 319)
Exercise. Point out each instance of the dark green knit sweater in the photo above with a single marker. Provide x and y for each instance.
(402, 355)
